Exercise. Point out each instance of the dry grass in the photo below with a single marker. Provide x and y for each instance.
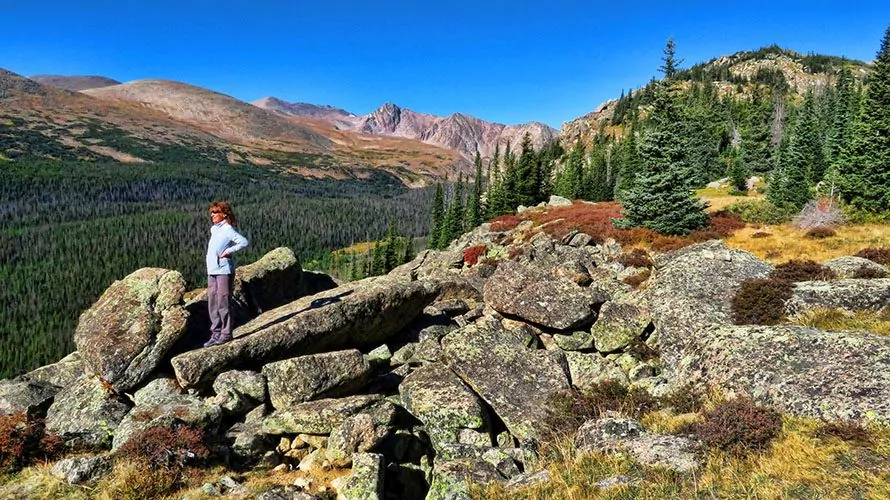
(838, 319)
(719, 198)
(786, 242)
(797, 465)
(38, 484)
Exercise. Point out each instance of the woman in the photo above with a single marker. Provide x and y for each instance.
(224, 241)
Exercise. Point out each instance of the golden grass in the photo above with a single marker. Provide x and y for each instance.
(38, 484)
(798, 465)
(786, 242)
(838, 319)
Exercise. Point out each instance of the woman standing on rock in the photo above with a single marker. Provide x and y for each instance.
(224, 241)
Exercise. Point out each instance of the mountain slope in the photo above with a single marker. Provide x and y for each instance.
(75, 83)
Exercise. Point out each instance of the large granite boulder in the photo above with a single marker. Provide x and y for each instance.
(444, 403)
(365, 482)
(796, 370)
(616, 435)
(518, 290)
(162, 403)
(32, 398)
(271, 281)
(850, 294)
(85, 415)
(62, 373)
(317, 417)
(452, 478)
(359, 314)
(587, 370)
(514, 380)
(849, 267)
(619, 326)
(127, 332)
(239, 391)
(326, 375)
(360, 433)
(692, 289)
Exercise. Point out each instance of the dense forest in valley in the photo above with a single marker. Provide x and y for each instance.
(67, 230)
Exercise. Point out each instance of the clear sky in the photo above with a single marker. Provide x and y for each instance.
(504, 61)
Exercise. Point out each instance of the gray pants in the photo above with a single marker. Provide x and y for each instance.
(219, 290)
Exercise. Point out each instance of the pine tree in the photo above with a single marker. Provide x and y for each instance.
(568, 183)
(865, 168)
(660, 198)
(378, 265)
(805, 147)
(629, 161)
(474, 200)
(528, 173)
(845, 110)
(438, 218)
(671, 63)
(390, 250)
(453, 217)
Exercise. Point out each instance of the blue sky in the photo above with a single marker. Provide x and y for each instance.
(504, 61)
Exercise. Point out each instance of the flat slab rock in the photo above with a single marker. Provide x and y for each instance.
(514, 380)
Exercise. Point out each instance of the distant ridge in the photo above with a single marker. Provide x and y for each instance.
(75, 83)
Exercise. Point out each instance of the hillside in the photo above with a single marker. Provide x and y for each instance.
(164, 121)
(463, 133)
(75, 83)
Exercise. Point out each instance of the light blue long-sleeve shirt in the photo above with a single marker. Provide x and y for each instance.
(223, 240)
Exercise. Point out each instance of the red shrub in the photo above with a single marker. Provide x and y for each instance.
(635, 258)
(23, 441)
(761, 234)
(704, 235)
(819, 233)
(635, 235)
(738, 426)
(505, 222)
(879, 255)
(802, 270)
(592, 219)
(165, 448)
(635, 280)
(725, 223)
(472, 254)
(669, 243)
(761, 301)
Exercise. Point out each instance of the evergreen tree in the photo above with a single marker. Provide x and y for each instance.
(390, 252)
(628, 161)
(845, 110)
(865, 168)
(510, 184)
(528, 174)
(660, 198)
(408, 253)
(438, 218)
(671, 63)
(805, 147)
(378, 263)
(568, 183)
(474, 200)
(738, 171)
(453, 217)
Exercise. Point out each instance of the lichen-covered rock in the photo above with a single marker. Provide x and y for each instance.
(160, 405)
(85, 415)
(62, 373)
(618, 326)
(360, 314)
(439, 399)
(359, 433)
(589, 369)
(32, 398)
(81, 470)
(451, 479)
(521, 291)
(850, 295)
(366, 480)
(271, 281)
(613, 435)
(796, 370)
(513, 379)
(692, 289)
(239, 391)
(125, 334)
(326, 375)
(849, 267)
(317, 417)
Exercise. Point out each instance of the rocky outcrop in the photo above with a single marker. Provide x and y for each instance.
(359, 314)
(62, 373)
(849, 267)
(611, 435)
(304, 378)
(32, 398)
(85, 415)
(127, 332)
(850, 295)
(485, 357)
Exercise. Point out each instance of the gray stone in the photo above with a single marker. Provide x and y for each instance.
(615, 435)
(366, 480)
(559, 201)
(576, 341)
(360, 314)
(125, 334)
(62, 373)
(239, 391)
(589, 370)
(359, 433)
(848, 267)
(451, 479)
(488, 361)
(81, 470)
(85, 415)
(529, 479)
(850, 295)
(618, 326)
(380, 356)
(32, 398)
(315, 376)
(317, 417)
(439, 399)
(580, 240)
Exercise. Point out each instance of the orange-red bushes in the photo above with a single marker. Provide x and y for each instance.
(725, 223)
(23, 441)
(472, 254)
(505, 222)
(879, 255)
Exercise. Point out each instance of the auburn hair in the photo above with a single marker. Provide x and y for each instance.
(226, 209)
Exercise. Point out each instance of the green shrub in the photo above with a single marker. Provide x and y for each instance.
(23, 441)
(759, 212)
(761, 301)
(738, 426)
(802, 270)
